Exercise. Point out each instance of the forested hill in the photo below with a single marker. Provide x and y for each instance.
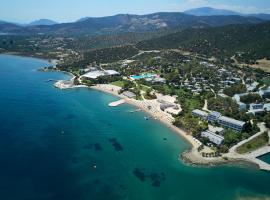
(131, 23)
(252, 40)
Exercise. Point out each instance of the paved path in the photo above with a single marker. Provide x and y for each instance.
(253, 156)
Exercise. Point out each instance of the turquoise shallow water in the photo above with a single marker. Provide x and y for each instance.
(70, 145)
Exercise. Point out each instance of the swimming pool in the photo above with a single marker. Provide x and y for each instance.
(265, 158)
(136, 77)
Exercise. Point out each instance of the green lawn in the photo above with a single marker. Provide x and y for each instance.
(118, 83)
(254, 144)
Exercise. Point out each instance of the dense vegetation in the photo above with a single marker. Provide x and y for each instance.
(252, 40)
(110, 54)
(251, 98)
(123, 23)
(235, 89)
(226, 106)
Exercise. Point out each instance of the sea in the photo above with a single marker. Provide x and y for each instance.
(70, 145)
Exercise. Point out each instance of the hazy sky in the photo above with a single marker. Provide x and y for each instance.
(70, 10)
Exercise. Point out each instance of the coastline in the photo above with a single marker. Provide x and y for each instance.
(190, 156)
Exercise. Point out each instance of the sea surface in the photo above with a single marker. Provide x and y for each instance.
(69, 145)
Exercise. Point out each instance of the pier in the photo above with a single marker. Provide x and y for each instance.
(117, 103)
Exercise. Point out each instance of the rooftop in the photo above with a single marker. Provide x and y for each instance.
(213, 134)
(232, 121)
(200, 112)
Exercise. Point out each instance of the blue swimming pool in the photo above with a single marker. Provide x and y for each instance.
(265, 158)
(136, 77)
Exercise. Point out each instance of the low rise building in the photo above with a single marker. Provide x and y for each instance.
(256, 106)
(213, 137)
(231, 123)
(175, 110)
(213, 116)
(264, 93)
(215, 129)
(99, 73)
(266, 107)
(200, 113)
(129, 94)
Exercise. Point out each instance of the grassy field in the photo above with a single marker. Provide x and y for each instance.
(118, 83)
(254, 144)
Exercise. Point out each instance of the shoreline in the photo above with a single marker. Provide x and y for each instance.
(191, 156)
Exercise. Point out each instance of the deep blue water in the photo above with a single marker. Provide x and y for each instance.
(67, 145)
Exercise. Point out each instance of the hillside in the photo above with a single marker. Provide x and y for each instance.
(208, 11)
(252, 40)
(39, 22)
(134, 23)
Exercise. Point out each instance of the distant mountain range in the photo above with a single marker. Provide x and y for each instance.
(208, 11)
(45, 22)
(131, 23)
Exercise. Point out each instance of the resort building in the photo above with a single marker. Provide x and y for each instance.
(99, 73)
(213, 137)
(255, 106)
(129, 94)
(237, 98)
(175, 110)
(200, 113)
(164, 106)
(266, 107)
(215, 129)
(231, 123)
(264, 93)
(259, 108)
(214, 116)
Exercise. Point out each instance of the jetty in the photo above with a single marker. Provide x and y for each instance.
(117, 103)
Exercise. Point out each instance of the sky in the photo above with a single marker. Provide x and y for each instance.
(24, 11)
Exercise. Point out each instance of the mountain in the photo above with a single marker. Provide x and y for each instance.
(46, 22)
(140, 23)
(124, 23)
(6, 27)
(253, 40)
(208, 11)
(261, 16)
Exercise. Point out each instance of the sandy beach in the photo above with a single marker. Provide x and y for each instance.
(152, 107)
(154, 111)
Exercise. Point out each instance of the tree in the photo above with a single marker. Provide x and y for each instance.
(251, 98)
(235, 89)
(267, 120)
(231, 137)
